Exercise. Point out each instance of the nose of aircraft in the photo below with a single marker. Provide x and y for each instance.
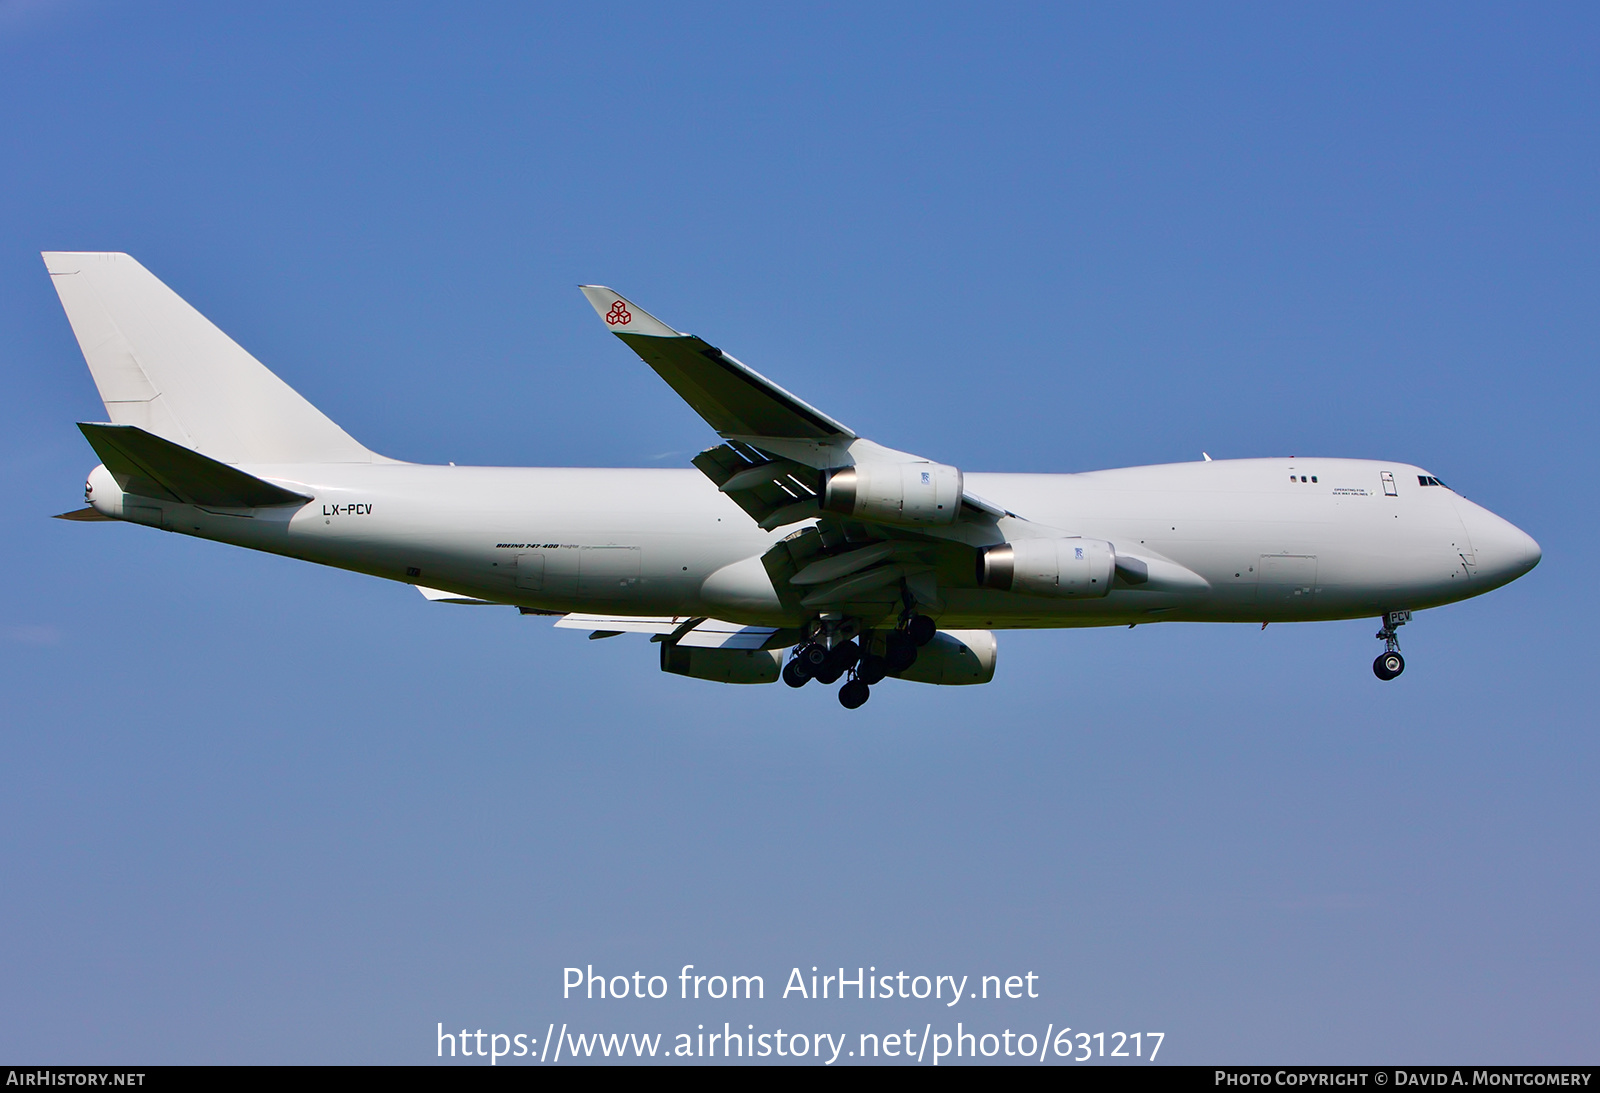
(1504, 551)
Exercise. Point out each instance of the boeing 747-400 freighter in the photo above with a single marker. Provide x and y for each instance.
(794, 549)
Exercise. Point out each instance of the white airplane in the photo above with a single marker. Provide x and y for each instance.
(793, 534)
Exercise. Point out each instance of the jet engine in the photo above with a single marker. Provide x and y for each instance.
(1049, 567)
(954, 658)
(895, 493)
(723, 665)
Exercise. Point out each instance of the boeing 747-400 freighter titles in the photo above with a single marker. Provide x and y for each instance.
(793, 534)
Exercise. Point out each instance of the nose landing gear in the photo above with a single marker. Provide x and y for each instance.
(1390, 663)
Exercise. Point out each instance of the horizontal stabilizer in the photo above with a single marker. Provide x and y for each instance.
(733, 398)
(88, 513)
(145, 464)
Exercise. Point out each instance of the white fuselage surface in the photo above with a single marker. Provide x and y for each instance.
(653, 542)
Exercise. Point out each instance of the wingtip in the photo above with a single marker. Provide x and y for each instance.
(622, 315)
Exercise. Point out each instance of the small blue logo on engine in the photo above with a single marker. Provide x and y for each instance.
(1079, 554)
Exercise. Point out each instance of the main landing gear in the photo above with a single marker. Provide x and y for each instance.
(1390, 663)
(825, 663)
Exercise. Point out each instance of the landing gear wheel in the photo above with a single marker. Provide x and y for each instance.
(900, 652)
(840, 659)
(853, 694)
(872, 669)
(1388, 665)
(795, 674)
(921, 629)
(844, 656)
(814, 655)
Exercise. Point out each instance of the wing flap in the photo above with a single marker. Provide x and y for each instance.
(716, 634)
(691, 633)
(622, 624)
(773, 492)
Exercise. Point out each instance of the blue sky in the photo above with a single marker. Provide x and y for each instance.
(257, 811)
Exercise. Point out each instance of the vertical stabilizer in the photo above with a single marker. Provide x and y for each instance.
(162, 366)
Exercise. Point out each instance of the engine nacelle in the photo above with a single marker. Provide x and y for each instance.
(723, 665)
(895, 493)
(1049, 567)
(954, 658)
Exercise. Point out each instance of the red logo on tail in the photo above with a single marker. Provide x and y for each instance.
(618, 314)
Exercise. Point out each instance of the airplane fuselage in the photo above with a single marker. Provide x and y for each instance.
(1273, 539)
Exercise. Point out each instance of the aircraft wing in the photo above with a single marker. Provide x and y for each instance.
(734, 399)
(779, 448)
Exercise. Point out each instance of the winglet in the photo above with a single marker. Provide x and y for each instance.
(624, 316)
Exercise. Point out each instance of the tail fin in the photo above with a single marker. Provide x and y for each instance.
(162, 366)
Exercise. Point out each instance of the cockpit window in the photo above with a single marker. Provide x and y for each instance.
(1429, 480)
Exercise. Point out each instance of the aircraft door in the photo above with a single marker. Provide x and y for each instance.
(553, 571)
(530, 571)
(1286, 580)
